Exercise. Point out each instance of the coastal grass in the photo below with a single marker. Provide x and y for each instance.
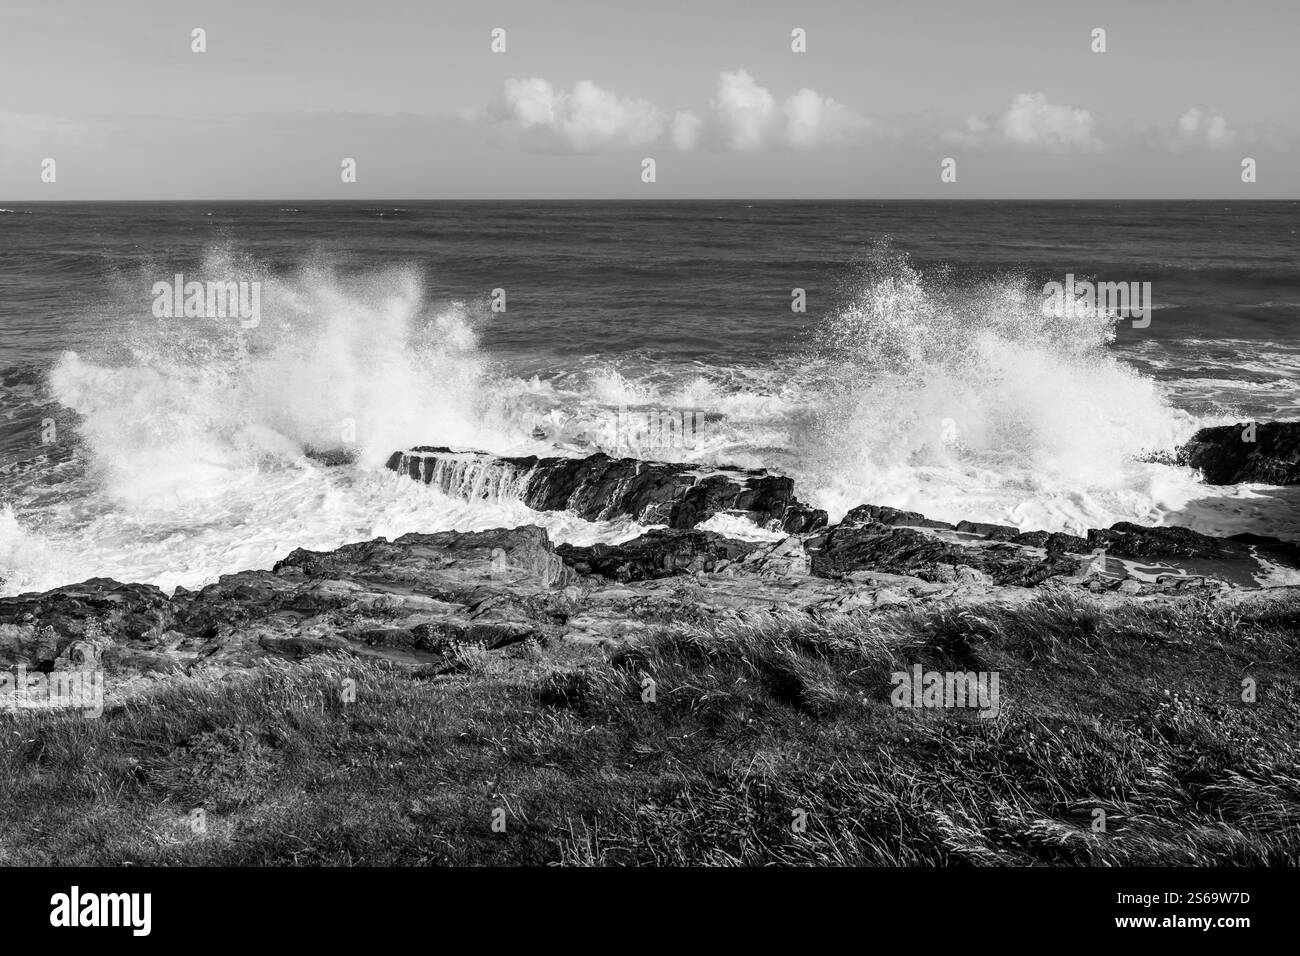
(1122, 738)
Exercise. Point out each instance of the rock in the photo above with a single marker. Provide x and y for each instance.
(408, 600)
(659, 553)
(1000, 532)
(1057, 541)
(972, 577)
(1287, 552)
(415, 600)
(1224, 454)
(894, 550)
(787, 557)
(856, 547)
(600, 488)
(40, 630)
(448, 559)
(1134, 540)
(331, 457)
(878, 514)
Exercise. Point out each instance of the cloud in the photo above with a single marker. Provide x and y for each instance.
(584, 119)
(814, 120)
(744, 111)
(686, 131)
(747, 118)
(742, 116)
(1031, 123)
(1200, 129)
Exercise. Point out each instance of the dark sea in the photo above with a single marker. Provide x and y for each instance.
(927, 370)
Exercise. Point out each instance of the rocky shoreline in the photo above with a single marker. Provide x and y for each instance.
(416, 599)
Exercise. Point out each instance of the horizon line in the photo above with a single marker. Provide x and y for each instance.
(967, 199)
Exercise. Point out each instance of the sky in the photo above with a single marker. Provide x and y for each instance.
(1013, 92)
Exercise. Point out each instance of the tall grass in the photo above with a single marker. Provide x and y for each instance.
(770, 739)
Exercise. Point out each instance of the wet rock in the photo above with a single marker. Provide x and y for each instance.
(659, 553)
(331, 457)
(902, 550)
(1057, 541)
(600, 488)
(1285, 552)
(415, 601)
(879, 514)
(999, 532)
(1226, 455)
(1132, 540)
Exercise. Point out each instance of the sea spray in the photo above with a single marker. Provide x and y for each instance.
(921, 391)
(929, 388)
(192, 436)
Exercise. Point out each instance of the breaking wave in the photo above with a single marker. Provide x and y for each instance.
(957, 399)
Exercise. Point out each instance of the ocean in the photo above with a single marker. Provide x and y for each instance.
(924, 374)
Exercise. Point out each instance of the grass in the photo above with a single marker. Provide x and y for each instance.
(770, 740)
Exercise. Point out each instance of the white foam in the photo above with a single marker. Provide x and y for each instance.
(921, 394)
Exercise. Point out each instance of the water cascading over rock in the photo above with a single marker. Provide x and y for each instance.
(600, 488)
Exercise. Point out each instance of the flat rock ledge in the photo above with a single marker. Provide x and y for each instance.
(416, 600)
(420, 599)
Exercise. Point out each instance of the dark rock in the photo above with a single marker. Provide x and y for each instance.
(331, 457)
(999, 532)
(447, 559)
(299, 648)
(1009, 566)
(1032, 539)
(1057, 541)
(414, 600)
(1224, 454)
(42, 628)
(1287, 552)
(880, 514)
(600, 488)
(881, 548)
(1136, 541)
(659, 553)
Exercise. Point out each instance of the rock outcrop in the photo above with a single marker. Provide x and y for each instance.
(421, 599)
(600, 488)
(1265, 452)
(658, 554)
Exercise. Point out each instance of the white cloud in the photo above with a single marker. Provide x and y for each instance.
(585, 119)
(1031, 122)
(748, 119)
(815, 120)
(530, 102)
(1200, 129)
(744, 111)
(743, 116)
(686, 131)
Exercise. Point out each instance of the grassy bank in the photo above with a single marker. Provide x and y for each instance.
(765, 743)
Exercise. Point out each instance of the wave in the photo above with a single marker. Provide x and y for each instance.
(193, 432)
(334, 362)
(959, 399)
